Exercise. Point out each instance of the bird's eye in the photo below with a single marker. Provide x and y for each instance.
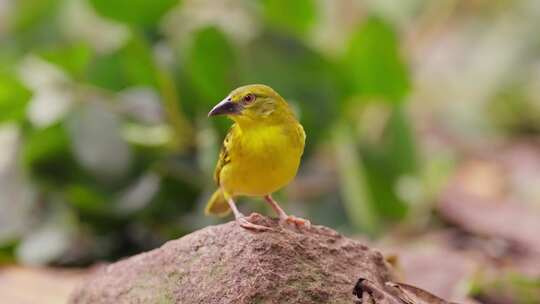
(249, 98)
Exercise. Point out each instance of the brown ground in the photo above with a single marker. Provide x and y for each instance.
(30, 285)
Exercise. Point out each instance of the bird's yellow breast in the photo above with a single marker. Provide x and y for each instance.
(263, 159)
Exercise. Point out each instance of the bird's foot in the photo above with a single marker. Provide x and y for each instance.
(297, 221)
(244, 222)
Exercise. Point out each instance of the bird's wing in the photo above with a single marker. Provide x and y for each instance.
(224, 157)
(301, 134)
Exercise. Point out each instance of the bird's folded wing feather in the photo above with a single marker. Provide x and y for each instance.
(224, 157)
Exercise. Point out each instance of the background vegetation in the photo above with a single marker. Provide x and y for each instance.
(106, 149)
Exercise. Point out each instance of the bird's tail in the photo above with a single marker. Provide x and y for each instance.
(217, 205)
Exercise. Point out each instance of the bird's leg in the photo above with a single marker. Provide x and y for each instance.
(283, 217)
(242, 220)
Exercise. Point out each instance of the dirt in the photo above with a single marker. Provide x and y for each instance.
(417, 260)
(31, 284)
(228, 264)
(482, 202)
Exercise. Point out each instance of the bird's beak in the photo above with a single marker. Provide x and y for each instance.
(226, 107)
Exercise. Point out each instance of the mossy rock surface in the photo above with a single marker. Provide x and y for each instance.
(228, 264)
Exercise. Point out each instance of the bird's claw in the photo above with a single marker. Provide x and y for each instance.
(297, 221)
(246, 224)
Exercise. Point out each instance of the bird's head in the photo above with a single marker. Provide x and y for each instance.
(253, 102)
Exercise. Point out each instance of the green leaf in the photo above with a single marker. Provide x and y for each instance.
(373, 65)
(135, 12)
(73, 59)
(164, 207)
(44, 143)
(296, 16)
(106, 71)
(7, 252)
(355, 190)
(46, 153)
(132, 65)
(29, 13)
(211, 63)
(14, 98)
(89, 200)
(400, 144)
(138, 62)
(390, 160)
(382, 178)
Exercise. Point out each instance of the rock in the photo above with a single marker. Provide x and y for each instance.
(228, 264)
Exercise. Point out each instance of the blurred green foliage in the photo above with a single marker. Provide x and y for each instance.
(373, 65)
(103, 105)
(14, 98)
(512, 287)
(295, 17)
(111, 113)
(134, 12)
(211, 64)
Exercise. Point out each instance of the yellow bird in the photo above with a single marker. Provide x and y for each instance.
(260, 154)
